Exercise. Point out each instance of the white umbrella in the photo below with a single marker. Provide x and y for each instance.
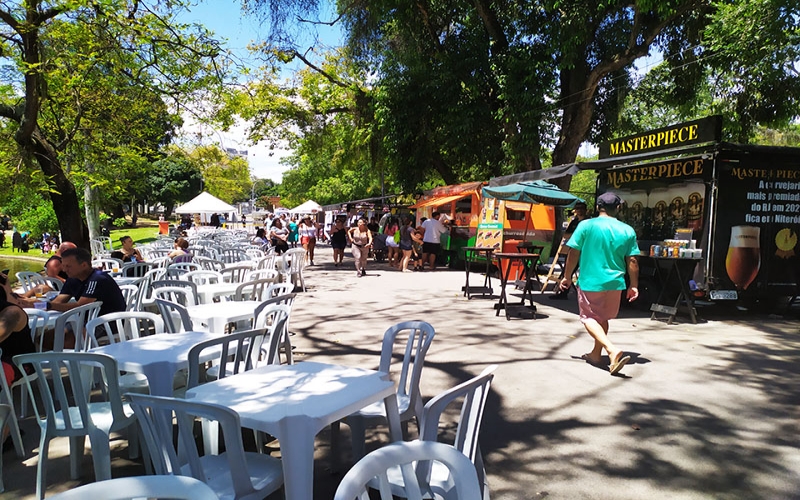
(309, 207)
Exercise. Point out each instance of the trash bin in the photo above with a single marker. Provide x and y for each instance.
(163, 227)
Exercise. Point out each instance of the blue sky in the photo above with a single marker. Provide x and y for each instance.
(226, 20)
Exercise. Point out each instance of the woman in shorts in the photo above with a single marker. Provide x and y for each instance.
(308, 237)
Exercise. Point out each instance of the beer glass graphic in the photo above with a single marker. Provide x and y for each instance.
(744, 255)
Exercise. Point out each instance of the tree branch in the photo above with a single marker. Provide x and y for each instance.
(324, 73)
(493, 27)
(10, 20)
(11, 112)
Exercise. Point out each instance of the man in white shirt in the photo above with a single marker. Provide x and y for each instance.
(433, 230)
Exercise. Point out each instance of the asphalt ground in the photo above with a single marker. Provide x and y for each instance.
(706, 411)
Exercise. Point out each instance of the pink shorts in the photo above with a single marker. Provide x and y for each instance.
(598, 306)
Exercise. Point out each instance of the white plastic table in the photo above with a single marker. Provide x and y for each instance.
(207, 293)
(218, 314)
(158, 356)
(294, 402)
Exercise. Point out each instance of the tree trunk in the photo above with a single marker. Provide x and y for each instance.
(91, 206)
(63, 193)
(168, 210)
(134, 212)
(575, 119)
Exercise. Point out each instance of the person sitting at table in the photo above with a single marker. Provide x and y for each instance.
(15, 334)
(260, 238)
(86, 285)
(279, 236)
(129, 254)
(52, 269)
(181, 252)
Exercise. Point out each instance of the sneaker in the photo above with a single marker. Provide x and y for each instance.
(363, 272)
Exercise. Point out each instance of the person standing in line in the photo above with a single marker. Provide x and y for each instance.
(433, 230)
(610, 248)
(361, 240)
(338, 241)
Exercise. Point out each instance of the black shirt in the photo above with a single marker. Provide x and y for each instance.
(61, 274)
(18, 342)
(98, 286)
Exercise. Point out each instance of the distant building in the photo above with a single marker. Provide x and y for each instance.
(234, 153)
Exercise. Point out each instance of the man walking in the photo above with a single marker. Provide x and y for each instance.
(610, 248)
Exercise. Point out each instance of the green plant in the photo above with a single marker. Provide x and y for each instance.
(120, 222)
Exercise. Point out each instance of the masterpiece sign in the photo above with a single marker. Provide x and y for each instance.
(683, 134)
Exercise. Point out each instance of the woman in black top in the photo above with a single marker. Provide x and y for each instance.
(338, 241)
(15, 334)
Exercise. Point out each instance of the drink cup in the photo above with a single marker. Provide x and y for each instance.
(115, 269)
(39, 295)
(744, 255)
(40, 304)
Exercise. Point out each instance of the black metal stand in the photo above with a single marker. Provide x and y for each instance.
(471, 255)
(678, 271)
(520, 310)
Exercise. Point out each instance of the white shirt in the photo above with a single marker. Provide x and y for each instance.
(433, 231)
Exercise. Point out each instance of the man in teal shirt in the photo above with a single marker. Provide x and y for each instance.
(605, 248)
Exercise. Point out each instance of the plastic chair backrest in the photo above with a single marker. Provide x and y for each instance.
(135, 269)
(210, 263)
(127, 488)
(37, 322)
(254, 253)
(122, 326)
(263, 274)
(238, 352)
(236, 274)
(129, 293)
(77, 318)
(181, 291)
(203, 277)
(267, 262)
(54, 283)
(420, 335)
(171, 325)
(278, 289)
(29, 279)
(293, 262)
(156, 421)
(145, 285)
(404, 454)
(474, 392)
(233, 255)
(78, 368)
(252, 290)
(178, 269)
(275, 318)
(281, 300)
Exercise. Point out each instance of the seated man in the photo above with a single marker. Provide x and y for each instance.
(52, 269)
(86, 285)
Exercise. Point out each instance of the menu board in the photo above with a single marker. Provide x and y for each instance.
(758, 220)
(490, 234)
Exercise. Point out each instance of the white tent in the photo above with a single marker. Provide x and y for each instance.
(205, 203)
(309, 207)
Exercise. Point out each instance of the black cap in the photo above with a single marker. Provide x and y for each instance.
(609, 200)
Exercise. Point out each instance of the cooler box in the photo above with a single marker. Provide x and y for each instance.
(510, 246)
(163, 227)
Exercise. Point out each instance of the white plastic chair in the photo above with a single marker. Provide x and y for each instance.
(182, 292)
(419, 335)
(175, 316)
(37, 322)
(235, 474)
(178, 269)
(472, 394)
(233, 255)
(278, 289)
(254, 253)
(76, 417)
(237, 352)
(54, 283)
(121, 327)
(5, 412)
(129, 488)
(29, 280)
(292, 265)
(129, 293)
(203, 277)
(404, 455)
(236, 273)
(209, 263)
(252, 290)
(13, 424)
(262, 319)
(263, 274)
(135, 269)
(77, 319)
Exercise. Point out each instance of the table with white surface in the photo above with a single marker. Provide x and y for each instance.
(207, 293)
(218, 314)
(158, 357)
(294, 402)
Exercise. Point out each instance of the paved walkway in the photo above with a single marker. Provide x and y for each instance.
(704, 411)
